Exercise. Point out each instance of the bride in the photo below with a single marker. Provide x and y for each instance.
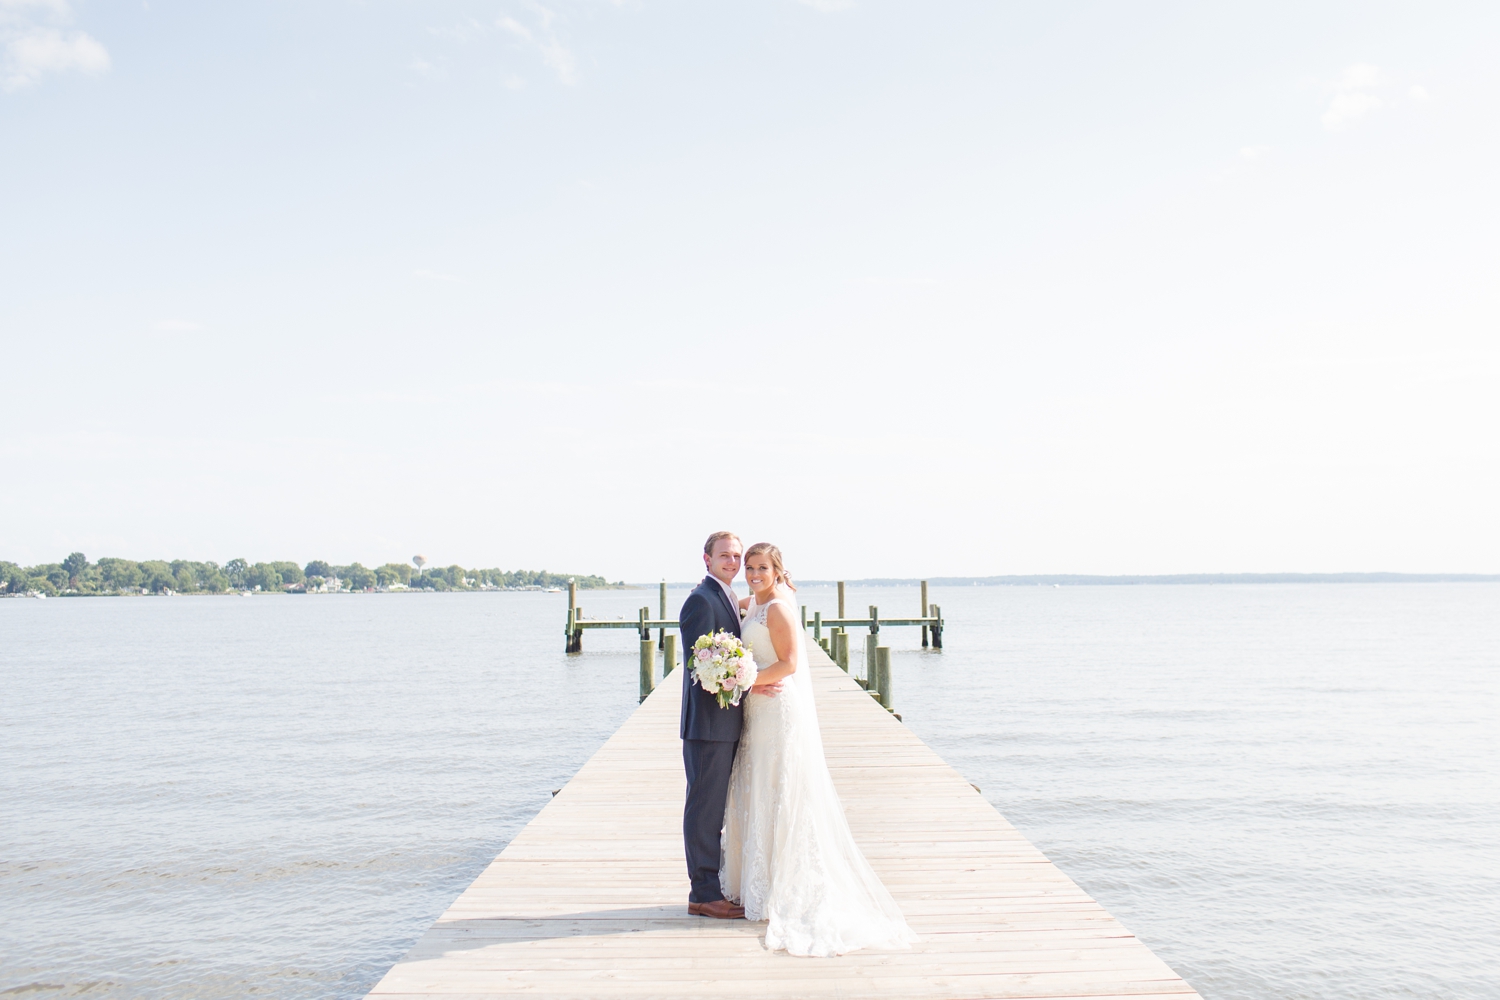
(788, 855)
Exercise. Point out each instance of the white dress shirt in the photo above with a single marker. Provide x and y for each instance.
(734, 599)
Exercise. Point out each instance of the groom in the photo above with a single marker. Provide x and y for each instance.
(710, 734)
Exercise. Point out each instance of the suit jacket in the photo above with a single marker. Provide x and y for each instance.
(707, 610)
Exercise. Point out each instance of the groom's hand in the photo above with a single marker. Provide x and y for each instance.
(769, 690)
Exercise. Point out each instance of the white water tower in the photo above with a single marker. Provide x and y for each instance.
(419, 561)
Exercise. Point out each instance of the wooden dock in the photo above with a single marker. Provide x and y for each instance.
(590, 899)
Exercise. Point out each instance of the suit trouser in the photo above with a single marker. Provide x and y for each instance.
(708, 764)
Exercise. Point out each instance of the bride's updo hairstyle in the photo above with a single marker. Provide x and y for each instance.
(782, 576)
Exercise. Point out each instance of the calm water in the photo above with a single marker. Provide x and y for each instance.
(1287, 791)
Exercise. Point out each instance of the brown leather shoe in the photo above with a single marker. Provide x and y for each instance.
(721, 908)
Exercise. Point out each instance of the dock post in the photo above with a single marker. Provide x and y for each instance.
(841, 598)
(818, 627)
(883, 674)
(804, 617)
(841, 649)
(574, 642)
(648, 667)
(874, 620)
(872, 677)
(924, 613)
(668, 653)
(644, 614)
(662, 635)
(937, 627)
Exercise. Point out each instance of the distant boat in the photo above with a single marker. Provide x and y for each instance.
(554, 590)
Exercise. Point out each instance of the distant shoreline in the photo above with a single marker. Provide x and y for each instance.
(76, 576)
(293, 593)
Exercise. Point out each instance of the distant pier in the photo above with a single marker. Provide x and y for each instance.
(831, 634)
(590, 899)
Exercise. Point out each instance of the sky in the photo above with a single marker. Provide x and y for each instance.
(909, 289)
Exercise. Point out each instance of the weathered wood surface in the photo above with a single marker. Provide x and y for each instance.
(590, 899)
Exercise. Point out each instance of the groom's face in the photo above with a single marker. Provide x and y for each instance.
(724, 561)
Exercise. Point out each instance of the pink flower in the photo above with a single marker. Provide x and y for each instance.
(703, 654)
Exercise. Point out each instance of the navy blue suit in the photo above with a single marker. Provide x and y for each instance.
(710, 737)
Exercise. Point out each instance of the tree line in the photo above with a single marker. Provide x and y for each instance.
(76, 576)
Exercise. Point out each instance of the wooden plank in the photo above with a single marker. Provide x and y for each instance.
(589, 900)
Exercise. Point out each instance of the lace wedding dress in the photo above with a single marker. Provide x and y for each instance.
(788, 855)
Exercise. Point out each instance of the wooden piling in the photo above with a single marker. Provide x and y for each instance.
(841, 598)
(662, 634)
(883, 674)
(669, 653)
(937, 628)
(924, 613)
(818, 627)
(574, 640)
(841, 649)
(648, 667)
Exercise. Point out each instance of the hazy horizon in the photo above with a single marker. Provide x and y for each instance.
(1144, 290)
(937, 579)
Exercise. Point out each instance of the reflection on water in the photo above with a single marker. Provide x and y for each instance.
(1287, 791)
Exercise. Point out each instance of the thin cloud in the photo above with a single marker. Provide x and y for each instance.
(555, 56)
(35, 41)
(1354, 97)
(422, 67)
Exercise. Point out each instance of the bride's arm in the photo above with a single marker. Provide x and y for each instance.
(784, 640)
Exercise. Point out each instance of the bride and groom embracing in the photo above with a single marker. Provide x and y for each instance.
(764, 832)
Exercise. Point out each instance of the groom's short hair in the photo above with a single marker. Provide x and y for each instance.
(716, 538)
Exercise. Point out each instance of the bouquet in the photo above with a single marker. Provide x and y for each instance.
(723, 666)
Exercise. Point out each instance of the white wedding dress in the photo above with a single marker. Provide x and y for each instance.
(788, 855)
